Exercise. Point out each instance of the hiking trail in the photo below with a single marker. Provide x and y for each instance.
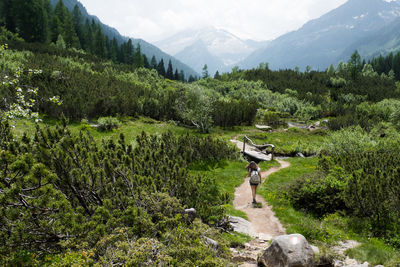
(263, 225)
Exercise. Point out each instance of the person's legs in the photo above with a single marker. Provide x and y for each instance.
(253, 192)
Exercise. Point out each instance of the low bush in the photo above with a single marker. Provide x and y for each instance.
(108, 123)
(319, 193)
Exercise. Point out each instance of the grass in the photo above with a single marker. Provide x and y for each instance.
(325, 231)
(229, 175)
(376, 252)
(236, 239)
(292, 141)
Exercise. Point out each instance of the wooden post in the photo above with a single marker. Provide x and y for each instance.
(244, 144)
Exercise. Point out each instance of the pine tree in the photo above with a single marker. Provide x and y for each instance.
(191, 79)
(60, 11)
(70, 36)
(55, 28)
(217, 76)
(182, 76)
(176, 75)
(128, 52)
(138, 57)
(114, 50)
(99, 43)
(78, 24)
(7, 12)
(60, 42)
(31, 20)
(88, 43)
(161, 67)
(153, 62)
(205, 72)
(146, 63)
(170, 71)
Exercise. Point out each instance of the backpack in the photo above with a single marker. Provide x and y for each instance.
(254, 177)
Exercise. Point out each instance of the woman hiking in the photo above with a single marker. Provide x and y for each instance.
(255, 178)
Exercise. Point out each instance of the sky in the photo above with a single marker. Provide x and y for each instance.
(154, 20)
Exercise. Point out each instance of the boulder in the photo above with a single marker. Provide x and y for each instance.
(211, 242)
(288, 251)
(300, 155)
(263, 127)
(191, 213)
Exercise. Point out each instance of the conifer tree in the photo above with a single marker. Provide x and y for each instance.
(146, 63)
(31, 20)
(128, 52)
(161, 67)
(55, 28)
(217, 76)
(191, 79)
(7, 12)
(99, 43)
(153, 62)
(88, 43)
(138, 57)
(170, 71)
(176, 75)
(205, 72)
(182, 76)
(78, 24)
(70, 36)
(114, 50)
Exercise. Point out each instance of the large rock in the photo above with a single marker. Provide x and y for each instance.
(288, 251)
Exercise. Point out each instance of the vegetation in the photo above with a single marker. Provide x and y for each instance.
(116, 193)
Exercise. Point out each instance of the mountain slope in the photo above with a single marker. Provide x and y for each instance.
(148, 49)
(197, 55)
(323, 41)
(381, 42)
(226, 48)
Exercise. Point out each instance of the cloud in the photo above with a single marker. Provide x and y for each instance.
(255, 19)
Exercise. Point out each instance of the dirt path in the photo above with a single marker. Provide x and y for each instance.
(263, 223)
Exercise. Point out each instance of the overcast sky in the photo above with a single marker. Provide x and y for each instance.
(153, 20)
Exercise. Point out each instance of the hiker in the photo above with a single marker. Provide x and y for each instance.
(255, 178)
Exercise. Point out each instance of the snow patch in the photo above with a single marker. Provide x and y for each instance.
(361, 16)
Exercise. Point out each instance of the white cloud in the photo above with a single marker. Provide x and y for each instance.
(255, 19)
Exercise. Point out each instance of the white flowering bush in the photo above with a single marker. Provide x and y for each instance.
(24, 101)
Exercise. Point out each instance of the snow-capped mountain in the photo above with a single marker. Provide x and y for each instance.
(226, 48)
(330, 38)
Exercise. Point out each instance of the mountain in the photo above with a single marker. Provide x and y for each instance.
(197, 55)
(332, 37)
(380, 42)
(217, 48)
(146, 48)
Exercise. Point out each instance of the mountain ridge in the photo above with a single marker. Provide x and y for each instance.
(147, 48)
(324, 41)
(227, 48)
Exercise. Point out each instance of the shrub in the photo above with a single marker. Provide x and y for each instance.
(108, 123)
(319, 193)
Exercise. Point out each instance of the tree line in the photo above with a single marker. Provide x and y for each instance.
(37, 21)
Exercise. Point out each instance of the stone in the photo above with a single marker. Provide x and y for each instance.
(300, 155)
(241, 225)
(288, 251)
(191, 214)
(211, 242)
(315, 249)
(263, 127)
